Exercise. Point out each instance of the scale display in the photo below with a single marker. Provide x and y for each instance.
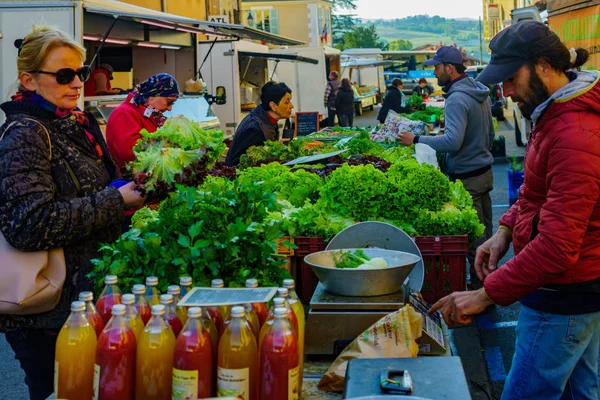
(203, 297)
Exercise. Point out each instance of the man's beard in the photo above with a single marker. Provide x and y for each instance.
(443, 79)
(536, 94)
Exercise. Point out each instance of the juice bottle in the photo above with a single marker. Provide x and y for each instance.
(141, 305)
(170, 313)
(278, 359)
(74, 372)
(115, 357)
(296, 304)
(284, 293)
(220, 284)
(175, 291)
(193, 373)
(152, 294)
(237, 359)
(186, 285)
(262, 312)
(91, 313)
(133, 319)
(250, 317)
(110, 296)
(154, 361)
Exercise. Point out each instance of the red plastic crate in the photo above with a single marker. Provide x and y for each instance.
(307, 280)
(444, 259)
(307, 245)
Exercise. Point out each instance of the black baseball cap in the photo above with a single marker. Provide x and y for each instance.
(515, 45)
(446, 55)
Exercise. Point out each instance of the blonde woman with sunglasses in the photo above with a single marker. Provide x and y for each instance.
(55, 175)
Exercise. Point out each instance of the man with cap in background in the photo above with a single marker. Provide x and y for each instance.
(99, 82)
(261, 124)
(467, 138)
(555, 224)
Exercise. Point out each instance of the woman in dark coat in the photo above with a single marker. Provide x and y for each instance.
(43, 205)
(394, 100)
(344, 103)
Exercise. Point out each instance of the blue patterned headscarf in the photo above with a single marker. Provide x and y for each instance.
(160, 85)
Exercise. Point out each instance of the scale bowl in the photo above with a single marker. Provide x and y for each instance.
(363, 282)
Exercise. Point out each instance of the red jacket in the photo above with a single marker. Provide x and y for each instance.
(123, 130)
(556, 222)
(89, 87)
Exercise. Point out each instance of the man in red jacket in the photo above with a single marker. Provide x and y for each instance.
(555, 224)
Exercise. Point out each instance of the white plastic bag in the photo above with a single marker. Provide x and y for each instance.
(425, 154)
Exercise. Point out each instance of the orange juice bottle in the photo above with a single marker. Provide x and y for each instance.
(193, 368)
(91, 313)
(175, 291)
(110, 296)
(237, 364)
(220, 284)
(278, 359)
(115, 357)
(152, 294)
(296, 304)
(141, 305)
(74, 374)
(186, 285)
(154, 361)
(262, 312)
(170, 313)
(133, 319)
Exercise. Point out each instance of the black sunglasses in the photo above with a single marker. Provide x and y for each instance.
(64, 76)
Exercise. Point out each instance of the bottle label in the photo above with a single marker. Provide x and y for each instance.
(96, 380)
(185, 384)
(293, 389)
(233, 383)
(56, 378)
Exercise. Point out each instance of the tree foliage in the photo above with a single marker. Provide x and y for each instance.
(362, 37)
(400, 44)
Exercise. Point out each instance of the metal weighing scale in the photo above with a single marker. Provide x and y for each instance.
(335, 321)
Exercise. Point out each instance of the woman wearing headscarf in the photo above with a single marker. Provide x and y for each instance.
(143, 109)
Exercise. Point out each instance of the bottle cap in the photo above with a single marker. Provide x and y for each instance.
(128, 299)
(139, 289)
(174, 290)
(251, 283)
(111, 279)
(238, 312)
(185, 281)
(77, 306)
(278, 302)
(194, 312)
(86, 296)
(151, 281)
(280, 312)
(289, 284)
(166, 299)
(283, 292)
(217, 283)
(158, 309)
(118, 309)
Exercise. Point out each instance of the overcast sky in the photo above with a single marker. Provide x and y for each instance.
(391, 9)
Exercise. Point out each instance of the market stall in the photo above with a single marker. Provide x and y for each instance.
(367, 92)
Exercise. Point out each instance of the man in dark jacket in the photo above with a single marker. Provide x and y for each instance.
(554, 226)
(261, 124)
(331, 91)
(394, 100)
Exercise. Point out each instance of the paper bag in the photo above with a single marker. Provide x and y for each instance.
(393, 336)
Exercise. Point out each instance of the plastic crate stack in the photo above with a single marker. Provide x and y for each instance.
(306, 280)
(287, 254)
(444, 259)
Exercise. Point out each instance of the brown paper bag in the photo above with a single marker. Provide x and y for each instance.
(393, 336)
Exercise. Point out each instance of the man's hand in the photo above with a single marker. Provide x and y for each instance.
(459, 307)
(406, 138)
(489, 253)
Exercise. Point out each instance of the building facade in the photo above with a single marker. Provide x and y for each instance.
(217, 10)
(496, 15)
(305, 20)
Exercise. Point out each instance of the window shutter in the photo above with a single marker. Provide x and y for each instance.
(274, 20)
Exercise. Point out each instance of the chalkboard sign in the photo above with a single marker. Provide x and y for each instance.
(201, 297)
(306, 123)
